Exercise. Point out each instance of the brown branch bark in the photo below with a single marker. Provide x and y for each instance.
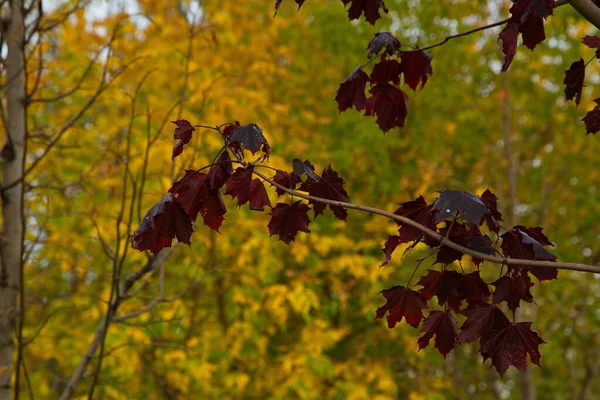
(436, 236)
(588, 10)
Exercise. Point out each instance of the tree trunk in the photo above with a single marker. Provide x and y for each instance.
(13, 158)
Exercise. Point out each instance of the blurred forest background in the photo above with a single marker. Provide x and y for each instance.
(242, 316)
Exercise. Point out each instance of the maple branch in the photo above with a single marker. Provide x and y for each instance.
(434, 235)
(587, 9)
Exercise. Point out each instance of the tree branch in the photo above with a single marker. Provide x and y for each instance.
(434, 235)
(588, 10)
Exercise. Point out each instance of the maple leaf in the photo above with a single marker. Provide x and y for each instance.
(251, 138)
(443, 325)
(258, 195)
(482, 244)
(509, 36)
(482, 318)
(230, 128)
(329, 186)
(493, 215)
(528, 243)
(220, 172)
(285, 179)
(389, 104)
(419, 211)
(238, 185)
(513, 289)
(469, 206)
(593, 42)
(195, 194)
(459, 234)
(352, 91)
(592, 119)
(510, 345)
(389, 248)
(183, 133)
(416, 67)
(532, 31)
(574, 77)
(383, 40)
(304, 168)
(166, 220)
(370, 8)
(287, 220)
(473, 288)
(445, 285)
(278, 4)
(402, 303)
(386, 71)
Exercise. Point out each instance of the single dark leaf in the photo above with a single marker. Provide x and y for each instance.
(574, 77)
(443, 325)
(304, 168)
(532, 31)
(258, 195)
(389, 248)
(416, 67)
(510, 345)
(535, 233)
(287, 220)
(195, 194)
(402, 303)
(220, 172)
(285, 179)
(370, 8)
(445, 285)
(493, 215)
(509, 36)
(251, 138)
(482, 318)
(516, 243)
(383, 40)
(419, 211)
(592, 119)
(230, 128)
(389, 104)
(386, 71)
(473, 288)
(513, 289)
(162, 223)
(469, 206)
(352, 91)
(593, 42)
(183, 133)
(238, 185)
(329, 186)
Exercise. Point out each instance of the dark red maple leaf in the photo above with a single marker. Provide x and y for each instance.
(389, 104)
(509, 36)
(482, 244)
(473, 288)
(287, 220)
(162, 223)
(493, 215)
(386, 71)
(329, 186)
(238, 185)
(370, 8)
(443, 325)
(518, 243)
(285, 179)
(510, 345)
(592, 119)
(482, 318)
(513, 289)
(416, 67)
(389, 248)
(593, 42)
(249, 137)
(304, 167)
(470, 207)
(445, 285)
(258, 195)
(419, 211)
(402, 303)
(352, 91)
(220, 172)
(457, 233)
(183, 133)
(574, 77)
(383, 40)
(532, 31)
(229, 128)
(195, 194)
